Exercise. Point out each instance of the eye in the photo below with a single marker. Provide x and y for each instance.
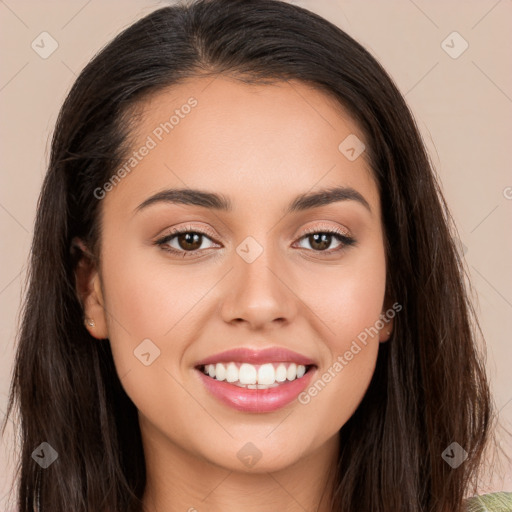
(320, 239)
(187, 242)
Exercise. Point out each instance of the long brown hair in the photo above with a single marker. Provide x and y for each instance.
(429, 388)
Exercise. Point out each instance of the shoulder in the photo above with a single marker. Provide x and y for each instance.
(494, 502)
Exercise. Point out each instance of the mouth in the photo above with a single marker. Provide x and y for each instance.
(256, 381)
(255, 376)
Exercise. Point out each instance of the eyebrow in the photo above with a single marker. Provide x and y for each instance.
(220, 202)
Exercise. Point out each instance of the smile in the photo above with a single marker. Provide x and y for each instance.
(250, 376)
(256, 381)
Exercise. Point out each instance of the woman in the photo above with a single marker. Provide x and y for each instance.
(317, 354)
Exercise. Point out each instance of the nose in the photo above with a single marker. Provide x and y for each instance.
(257, 293)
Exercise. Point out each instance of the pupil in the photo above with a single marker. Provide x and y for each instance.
(324, 241)
(192, 239)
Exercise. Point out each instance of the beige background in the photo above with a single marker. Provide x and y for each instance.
(463, 107)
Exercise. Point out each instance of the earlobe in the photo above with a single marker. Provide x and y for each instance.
(94, 309)
(386, 331)
(89, 292)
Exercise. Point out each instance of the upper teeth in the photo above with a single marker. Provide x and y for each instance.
(247, 374)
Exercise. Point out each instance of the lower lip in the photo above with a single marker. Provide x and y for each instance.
(256, 400)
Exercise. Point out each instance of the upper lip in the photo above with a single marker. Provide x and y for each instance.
(247, 355)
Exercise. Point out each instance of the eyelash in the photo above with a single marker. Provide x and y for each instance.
(346, 241)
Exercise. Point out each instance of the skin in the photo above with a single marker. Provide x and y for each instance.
(260, 145)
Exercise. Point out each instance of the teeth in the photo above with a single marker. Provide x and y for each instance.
(281, 373)
(231, 372)
(220, 371)
(291, 372)
(247, 374)
(266, 374)
(251, 376)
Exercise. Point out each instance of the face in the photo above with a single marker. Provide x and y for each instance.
(257, 267)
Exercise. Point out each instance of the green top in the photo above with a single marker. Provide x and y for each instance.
(494, 502)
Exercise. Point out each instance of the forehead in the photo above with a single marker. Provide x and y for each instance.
(248, 141)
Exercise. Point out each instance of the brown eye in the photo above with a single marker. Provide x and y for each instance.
(184, 242)
(189, 241)
(320, 241)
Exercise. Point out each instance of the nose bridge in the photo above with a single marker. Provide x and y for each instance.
(258, 291)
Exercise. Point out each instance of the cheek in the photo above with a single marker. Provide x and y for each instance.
(145, 295)
(146, 300)
(348, 303)
(351, 345)
(347, 298)
(338, 389)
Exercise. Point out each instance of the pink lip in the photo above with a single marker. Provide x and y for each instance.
(257, 400)
(268, 355)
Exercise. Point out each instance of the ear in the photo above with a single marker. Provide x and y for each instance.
(89, 290)
(387, 330)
